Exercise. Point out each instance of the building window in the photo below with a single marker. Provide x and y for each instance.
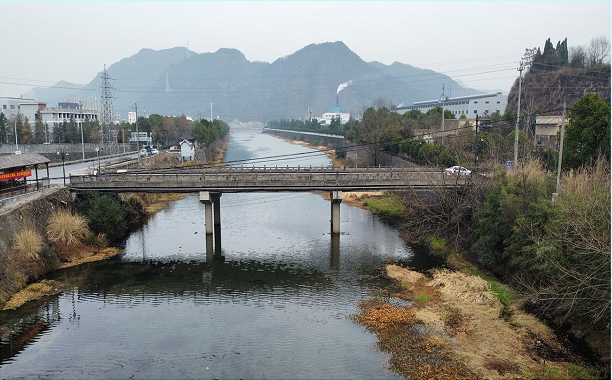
(476, 102)
(475, 111)
(498, 102)
(487, 102)
(4, 106)
(12, 106)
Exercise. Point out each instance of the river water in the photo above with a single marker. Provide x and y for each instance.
(271, 299)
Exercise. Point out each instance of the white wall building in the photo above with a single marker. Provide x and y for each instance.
(470, 106)
(131, 117)
(10, 107)
(327, 117)
(66, 112)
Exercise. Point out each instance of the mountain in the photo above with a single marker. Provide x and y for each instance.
(59, 92)
(176, 81)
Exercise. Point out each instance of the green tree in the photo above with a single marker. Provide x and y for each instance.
(24, 132)
(3, 129)
(205, 132)
(587, 134)
(39, 130)
(106, 214)
(73, 135)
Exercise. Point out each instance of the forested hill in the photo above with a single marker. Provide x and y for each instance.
(556, 75)
(177, 81)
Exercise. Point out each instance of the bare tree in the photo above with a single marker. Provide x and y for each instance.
(599, 51)
(577, 57)
(443, 211)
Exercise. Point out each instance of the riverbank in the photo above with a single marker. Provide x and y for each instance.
(553, 356)
(23, 292)
(451, 325)
(331, 152)
(46, 287)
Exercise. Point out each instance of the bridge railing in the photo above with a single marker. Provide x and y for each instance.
(278, 178)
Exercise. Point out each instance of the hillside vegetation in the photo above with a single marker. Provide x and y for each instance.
(557, 74)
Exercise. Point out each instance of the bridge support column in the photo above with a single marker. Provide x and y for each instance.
(207, 198)
(216, 199)
(336, 199)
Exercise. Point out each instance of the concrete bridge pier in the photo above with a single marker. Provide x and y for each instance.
(208, 199)
(336, 199)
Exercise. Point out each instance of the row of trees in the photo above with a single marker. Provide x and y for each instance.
(208, 132)
(595, 55)
(165, 130)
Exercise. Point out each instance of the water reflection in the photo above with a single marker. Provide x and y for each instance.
(267, 295)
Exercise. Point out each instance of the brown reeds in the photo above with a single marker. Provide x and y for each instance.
(27, 243)
(66, 231)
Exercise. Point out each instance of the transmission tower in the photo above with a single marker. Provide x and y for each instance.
(109, 134)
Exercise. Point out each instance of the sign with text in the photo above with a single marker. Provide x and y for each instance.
(141, 135)
(15, 175)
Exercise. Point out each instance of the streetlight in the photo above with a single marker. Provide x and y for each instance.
(98, 154)
(64, 153)
(80, 118)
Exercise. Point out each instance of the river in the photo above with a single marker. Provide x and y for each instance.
(272, 300)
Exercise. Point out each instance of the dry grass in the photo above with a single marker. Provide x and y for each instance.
(384, 316)
(531, 171)
(66, 231)
(32, 292)
(587, 180)
(462, 286)
(93, 256)
(466, 320)
(27, 243)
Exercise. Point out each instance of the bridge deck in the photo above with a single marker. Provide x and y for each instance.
(265, 179)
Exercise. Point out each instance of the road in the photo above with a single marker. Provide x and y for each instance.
(56, 173)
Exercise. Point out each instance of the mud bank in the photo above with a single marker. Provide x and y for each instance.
(457, 328)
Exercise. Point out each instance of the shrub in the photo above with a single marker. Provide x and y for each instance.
(27, 243)
(66, 230)
(106, 215)
(98, 241)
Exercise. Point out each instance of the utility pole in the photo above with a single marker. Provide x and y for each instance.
(444, 98)
(518, 116)
(211, 119)
(137, 135)
(82, 140)
(560, 155)
(476, 145)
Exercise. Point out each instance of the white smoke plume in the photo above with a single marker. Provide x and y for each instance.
(343, 86)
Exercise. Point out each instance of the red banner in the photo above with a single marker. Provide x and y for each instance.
(15, 175)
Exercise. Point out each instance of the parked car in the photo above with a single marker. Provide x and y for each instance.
(457, 170)
(143, 153)
(154, 151)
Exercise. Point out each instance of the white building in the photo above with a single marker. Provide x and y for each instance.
(470, 106)
(10, 107)
(327, 117)
(80, 112)
(131, 117)
(65, 112)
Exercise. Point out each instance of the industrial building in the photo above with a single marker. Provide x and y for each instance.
(79, 111)
(470, 106)
(327, 117)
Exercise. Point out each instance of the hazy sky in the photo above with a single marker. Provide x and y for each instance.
(479, 43)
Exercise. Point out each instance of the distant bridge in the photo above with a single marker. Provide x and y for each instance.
(210, 183)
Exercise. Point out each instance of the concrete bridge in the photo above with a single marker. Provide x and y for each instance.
(211, 183)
